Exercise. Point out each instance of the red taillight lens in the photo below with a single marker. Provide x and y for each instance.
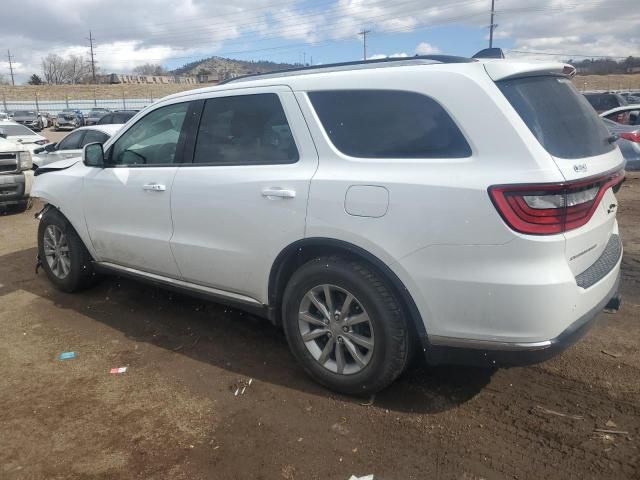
(631, 136)
(546, 209)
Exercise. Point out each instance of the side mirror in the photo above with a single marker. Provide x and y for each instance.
(3, 134)
(93, 155)
(51, 147)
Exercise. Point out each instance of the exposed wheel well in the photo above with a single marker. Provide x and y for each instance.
(298, 253)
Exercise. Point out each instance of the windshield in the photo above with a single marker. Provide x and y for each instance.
(16, 130)
(24, 113)
(558, 116)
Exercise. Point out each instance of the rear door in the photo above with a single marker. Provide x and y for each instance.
(244, 197)
(566, 125)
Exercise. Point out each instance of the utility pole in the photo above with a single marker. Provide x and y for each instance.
(93, 62)
(364, 33)
(11, 67)
(492, 25)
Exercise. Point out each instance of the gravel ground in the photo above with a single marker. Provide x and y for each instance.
(174, 415)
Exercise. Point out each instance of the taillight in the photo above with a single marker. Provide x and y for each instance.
(631, 136)
(41, 142)
(545, 209)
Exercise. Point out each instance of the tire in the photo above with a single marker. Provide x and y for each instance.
(386, 329)
(79, 273)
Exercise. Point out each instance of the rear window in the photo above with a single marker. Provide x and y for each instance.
(388, 124)
(604, 101)
(558, 116)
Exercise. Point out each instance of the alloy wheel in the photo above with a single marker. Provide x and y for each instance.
(336, 329)
(56, 251)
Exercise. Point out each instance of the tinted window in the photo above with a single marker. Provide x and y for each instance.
(93, 136)
(558, 116)
(244, 130)
(388, 124)
(604, 101)
(71, 141)
(122, 117)
(106, 120)
(152, 140)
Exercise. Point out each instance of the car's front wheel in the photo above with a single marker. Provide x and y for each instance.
(62, 254)
(345, 325)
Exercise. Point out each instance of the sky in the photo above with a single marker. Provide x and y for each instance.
(174, 32)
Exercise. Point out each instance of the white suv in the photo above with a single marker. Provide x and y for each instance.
(464, 207)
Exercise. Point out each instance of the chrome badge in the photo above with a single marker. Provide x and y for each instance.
(580, 167)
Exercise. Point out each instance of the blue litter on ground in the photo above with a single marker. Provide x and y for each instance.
(67, 355)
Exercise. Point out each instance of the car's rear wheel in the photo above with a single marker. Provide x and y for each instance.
(345, 325)
(62, 254)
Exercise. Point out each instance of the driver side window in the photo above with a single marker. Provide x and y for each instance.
(153, 140)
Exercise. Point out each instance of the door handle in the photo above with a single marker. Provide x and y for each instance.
(154, 187)
(278, 192)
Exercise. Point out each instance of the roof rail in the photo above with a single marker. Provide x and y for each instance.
(357, 65)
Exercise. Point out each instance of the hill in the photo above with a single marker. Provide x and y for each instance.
(228, 68)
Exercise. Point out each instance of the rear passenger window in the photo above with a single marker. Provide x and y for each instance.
(244, 130)
(388, 124)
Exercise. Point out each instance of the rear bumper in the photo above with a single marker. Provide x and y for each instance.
(495, 354)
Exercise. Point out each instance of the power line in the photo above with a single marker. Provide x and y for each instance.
(11, 67)
(93, 62)
(364, 33)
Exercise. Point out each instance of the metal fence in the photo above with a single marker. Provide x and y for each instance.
(55, 106)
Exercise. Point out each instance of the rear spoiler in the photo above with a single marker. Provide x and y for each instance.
(510, 69)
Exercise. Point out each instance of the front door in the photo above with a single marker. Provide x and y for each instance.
(127, 204)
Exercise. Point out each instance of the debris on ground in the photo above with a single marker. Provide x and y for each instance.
(559, 414)
(240, 387)
(116, 371)
(67, 355)
(612, 432)
(614, 355)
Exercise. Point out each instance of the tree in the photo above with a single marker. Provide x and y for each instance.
(3, 80)
(53, 69)
(149, 69)
(58, 70)
(34, 80)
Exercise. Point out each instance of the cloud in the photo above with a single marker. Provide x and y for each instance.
(425, 48)
(129, 32)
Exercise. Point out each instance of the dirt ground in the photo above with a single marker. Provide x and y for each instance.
(174, 413)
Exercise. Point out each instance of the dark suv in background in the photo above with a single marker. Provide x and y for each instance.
(120, 116)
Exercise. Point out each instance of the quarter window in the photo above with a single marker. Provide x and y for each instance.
(153, 140)
(244, 130)
(388, 124)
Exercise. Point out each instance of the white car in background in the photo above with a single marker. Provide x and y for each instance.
(72, 145)
(20, 134)
(16, 176)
